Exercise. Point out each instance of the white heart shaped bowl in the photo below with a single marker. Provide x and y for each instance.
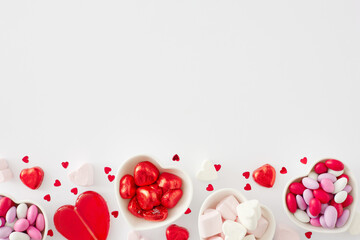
(352, 207)
(213, 199)
(174, 213)
(40, 208)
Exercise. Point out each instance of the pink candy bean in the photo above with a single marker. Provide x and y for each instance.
(21, 225)
(342, 220)
(2, 221)
(327, 175)
(32, 214)
(327, 185)
(308, 195)
(301, 202)
(310, 183)
(40, 222)
(11, 215)
(348, 188)
(315, 222)
(330, 216)
(34, 233)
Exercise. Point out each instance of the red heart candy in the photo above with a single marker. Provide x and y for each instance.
(134, 208)
(175, 232)
(265, 176)
(89, 219)
(32, 177)
(169, 181)
(171, 198)
(127, 187)
(145, 173)
(148, 197)
(157, 214)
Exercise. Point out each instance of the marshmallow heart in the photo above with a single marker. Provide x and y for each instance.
(5, 172)
(233, 230)
(84, 176)
(249, 213)
(207, 172)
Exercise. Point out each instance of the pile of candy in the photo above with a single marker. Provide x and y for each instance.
(151, 193)
(322, 197)
(233, 220)
(20, 222)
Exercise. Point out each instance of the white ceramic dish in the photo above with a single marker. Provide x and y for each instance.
(41, 210)
(174, 213)
(352, 207)
(212, 200)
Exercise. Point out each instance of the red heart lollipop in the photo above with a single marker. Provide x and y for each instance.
(145, 173)
(265, 175)
(32, 177)
(89, 219)
(175, 232)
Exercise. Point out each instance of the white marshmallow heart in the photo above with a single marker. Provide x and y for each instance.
(233, 230)
(249, 212)
(84, 176)
(5, 172)
(207, 172)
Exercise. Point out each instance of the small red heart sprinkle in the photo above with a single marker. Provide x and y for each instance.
(74, 191)
(107, 170)
(283, 170)
(308, 235)
(176, 158)
(304, 160)
(57, 183)
(25, 159)
(111, 178)
(246, 175)
(188, 211)
(217, 167)
(50, 233)
(65, 164)
(210, 188)
(247, 187)
(47, 198)
(115, 214)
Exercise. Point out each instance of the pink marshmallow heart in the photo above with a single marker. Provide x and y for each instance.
(84, 176)
(227, 208)
(261, 228)
(210, 224)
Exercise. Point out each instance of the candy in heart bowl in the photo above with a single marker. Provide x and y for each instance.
(142, 177)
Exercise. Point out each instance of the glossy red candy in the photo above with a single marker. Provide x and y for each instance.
(148, 197)
(348, 201)
(315, 206)
(145, 173)
(321, 195)
(5, 204)
(265, 176)
(156, 214)
(89, 219)
(345, 176)
(320, 168)
(171, 198)
(339, 208)
(334, 164)
(175, 232)
(135, 208)
(32, 177)
(297, 188)
(169, 181)
(127, 187)
(291, 202)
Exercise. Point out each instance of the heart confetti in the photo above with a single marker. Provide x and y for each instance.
(107, 170)
(65, 164)
(304, 160)
(74, 191)
(246, 175)
(308, 235)
(25, 159)
(210, 188)
(247, 187)
(47, 198)
(50, 233)
(176, 158)
(217, 167)
(57, 183)
(188, 211)
(115, 214)
(111, 178)
(283, 170)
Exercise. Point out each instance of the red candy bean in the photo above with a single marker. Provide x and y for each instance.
(291, 202)
(320, 168)
(297, 188)
(315, 207)
(348, 201)
(345, 176)
(338, 206)
(321, 195)
(334, 164)
(5, 205)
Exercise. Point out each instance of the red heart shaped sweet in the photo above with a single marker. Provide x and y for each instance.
(265, 175)
(89, 219)
(145, 173)
(32, 177)
(175, 232)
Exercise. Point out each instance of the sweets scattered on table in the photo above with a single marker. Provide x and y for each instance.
(151, 193)
(5, 172)
(20, 221)
(322, 197)
(32, 177)
(265, 176)
(233, 220)
(175, 232)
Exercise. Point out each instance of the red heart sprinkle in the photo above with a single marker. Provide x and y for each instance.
(246, 175)
(115, 214)
(57, 183)
(47, 198)
(210, 188)
(247, 187)
(65, 164)
(107, 170)
(217, 167)
(50, 233)
(111, 178)
(304, 160)
(188, 211)
(283, 170)
(74, 191)
(308, 235)
(25, 159)
(176, 158)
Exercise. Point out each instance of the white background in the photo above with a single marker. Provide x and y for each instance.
(242, 83)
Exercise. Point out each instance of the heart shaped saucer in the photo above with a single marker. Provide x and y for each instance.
(41, 210)
(213, 199)
(352, 207)
(174, 213)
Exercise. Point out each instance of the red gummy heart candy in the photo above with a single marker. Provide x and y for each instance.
(89, 219)
(145, 173)
(175, 232)
(32, 177)
(265, 176)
